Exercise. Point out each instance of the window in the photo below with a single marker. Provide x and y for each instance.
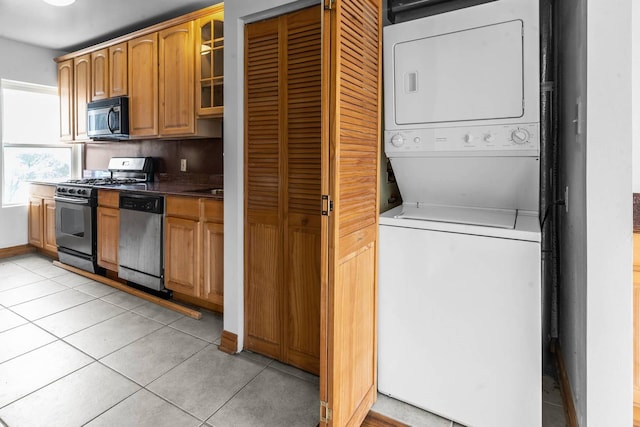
(31, 149)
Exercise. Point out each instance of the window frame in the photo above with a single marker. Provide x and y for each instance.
(76, 149)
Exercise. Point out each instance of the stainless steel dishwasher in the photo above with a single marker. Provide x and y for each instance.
(140, 250)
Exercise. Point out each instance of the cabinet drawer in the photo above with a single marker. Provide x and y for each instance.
(185, 207)
(109, 198)
(213, 210)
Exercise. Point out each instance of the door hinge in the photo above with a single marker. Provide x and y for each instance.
(328, 4)
(325, 412)
(327, 205)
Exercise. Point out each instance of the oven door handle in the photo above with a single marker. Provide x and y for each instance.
(71, 200)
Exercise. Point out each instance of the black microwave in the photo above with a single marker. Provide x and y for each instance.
(108, 118)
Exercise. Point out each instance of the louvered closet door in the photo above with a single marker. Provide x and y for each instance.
(263, 216)
(351, 143)
(303, 165)
(283, 174)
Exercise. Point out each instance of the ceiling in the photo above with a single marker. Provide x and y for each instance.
(86, 22)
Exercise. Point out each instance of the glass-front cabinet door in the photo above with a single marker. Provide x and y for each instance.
(210, 65)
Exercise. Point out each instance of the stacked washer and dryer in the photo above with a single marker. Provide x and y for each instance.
(459, 326)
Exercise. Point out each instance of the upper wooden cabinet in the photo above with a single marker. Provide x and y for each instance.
(65, 96)
(118, 70)
(172, 73)
(177, 116)
(143, 85)
(81, 94)
(209, 65)
(100, 74)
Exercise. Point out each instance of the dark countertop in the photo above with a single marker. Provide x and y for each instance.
(169, 189)
(164, 188)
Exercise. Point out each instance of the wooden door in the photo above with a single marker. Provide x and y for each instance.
(636, 329)
(65, 95)
(49, 222)
(36, 222)
(108, 222)
(81, 94)
(213, 262)
(177, 107)
(118, 70)
(181, 255)
(212, 285)
(263, 191)
(100, 74)
(143, 85)
(283, 171)
(351, 81)
(301, 47)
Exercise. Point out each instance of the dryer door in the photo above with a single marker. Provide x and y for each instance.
(475, 74)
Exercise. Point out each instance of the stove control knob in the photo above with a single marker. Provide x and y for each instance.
(489, 137)
(520, 136)
(397, 140)
(71, 191)
(468, 138)
(62, 190)
(82, 191)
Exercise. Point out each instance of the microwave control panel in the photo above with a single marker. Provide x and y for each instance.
(508, 140)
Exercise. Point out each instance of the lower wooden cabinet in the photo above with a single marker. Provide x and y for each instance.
(108, 224)
(194, 248)
(42, 218)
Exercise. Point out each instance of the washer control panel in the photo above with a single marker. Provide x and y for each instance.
(520, 139)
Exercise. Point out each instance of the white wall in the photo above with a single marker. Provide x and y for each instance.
(26, 63)
(596, 284)
(635, 57)
(236, 14)
(609, 214)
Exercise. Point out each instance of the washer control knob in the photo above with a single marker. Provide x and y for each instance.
(520, 136)
(397, 140)
(417, 140)
(468, 138)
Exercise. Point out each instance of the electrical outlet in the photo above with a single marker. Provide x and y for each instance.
(183, 165)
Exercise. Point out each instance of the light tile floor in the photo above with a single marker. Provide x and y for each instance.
(76, 352)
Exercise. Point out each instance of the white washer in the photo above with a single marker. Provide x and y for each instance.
(459, 319)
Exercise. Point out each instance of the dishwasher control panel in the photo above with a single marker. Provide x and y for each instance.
(142, 202)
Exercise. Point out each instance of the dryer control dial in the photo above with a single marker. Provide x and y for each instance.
(397, 140)
(520, 136)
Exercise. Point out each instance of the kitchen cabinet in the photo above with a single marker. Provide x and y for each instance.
(209, 65)
(177, 115)
(283, 183)
(42, 218)
(118, 70)
(172, 90)
(100, 74)
(143, 85)
(65, 99)
(108, 227)
(81, 95)
(109, 72)
(194, 248)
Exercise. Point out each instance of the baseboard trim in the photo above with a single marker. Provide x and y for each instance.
(565, 387)
(375, 419)
(194, 314)
(228, 342)
(16, 250)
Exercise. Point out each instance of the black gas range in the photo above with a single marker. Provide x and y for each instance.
(76, 202)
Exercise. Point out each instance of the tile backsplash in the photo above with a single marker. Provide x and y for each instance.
(204, 157)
